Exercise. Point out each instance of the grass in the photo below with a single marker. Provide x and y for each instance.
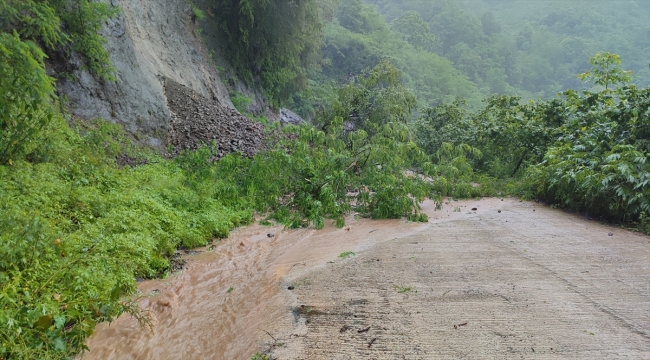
(346, 254)
(260, 356)
(404, 289)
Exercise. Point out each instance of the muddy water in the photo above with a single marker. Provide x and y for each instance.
(224, 302)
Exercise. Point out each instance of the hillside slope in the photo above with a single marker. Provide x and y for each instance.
(150, 41)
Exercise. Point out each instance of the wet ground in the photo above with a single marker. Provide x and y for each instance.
(508, 280)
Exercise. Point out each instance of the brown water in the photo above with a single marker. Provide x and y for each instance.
(195, 316)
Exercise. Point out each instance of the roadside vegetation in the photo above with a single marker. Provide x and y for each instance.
(84, 211)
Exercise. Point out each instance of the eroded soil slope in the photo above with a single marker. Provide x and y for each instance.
(526, 282)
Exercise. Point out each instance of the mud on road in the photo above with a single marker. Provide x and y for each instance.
(509, 280)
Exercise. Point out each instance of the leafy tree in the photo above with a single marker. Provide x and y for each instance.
(514, 135)
(414, 30)
(490, 25)
(347, 54)
(375, 99)
(606, 70)
(445, 123)
(315, 171)
(454, 171)
(600, 162)
(540, 45)
(358, 17)
(271, 42)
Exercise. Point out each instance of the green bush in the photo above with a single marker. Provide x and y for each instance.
(241, 102)
(198, 13)
(63, 25)
(76, 230)
(310, 175)
(25, 95)
(600, 162)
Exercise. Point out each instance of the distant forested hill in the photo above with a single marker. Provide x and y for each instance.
(532, 48)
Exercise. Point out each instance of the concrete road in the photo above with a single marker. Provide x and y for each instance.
(509, 280)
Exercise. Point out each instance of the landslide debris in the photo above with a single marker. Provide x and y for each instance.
(197, 120)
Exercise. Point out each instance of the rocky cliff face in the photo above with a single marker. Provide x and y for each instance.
(149, 42)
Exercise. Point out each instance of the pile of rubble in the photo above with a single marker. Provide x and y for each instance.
(197, 120)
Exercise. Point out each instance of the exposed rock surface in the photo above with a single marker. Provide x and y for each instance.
(197, 120)
(289, 117)
(150, 40)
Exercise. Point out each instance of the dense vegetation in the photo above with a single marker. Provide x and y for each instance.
(586, 152)
(396, 117)
(531, 48)
(444, 48)
(270, 43)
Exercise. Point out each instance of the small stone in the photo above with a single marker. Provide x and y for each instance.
(290, 287)
(270, 235)
(610, 234)
(499, 211)
(474, 209)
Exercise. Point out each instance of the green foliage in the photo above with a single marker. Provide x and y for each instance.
(35, 20)
(349, 54)
(26, 92)
(260, 356)
(311, 174)
(454, 172)
(448, 123)
(346, 254)
(414, 30)
(356, 16)
(324, 174)
(83, 20)
(606, 70)
(68, 25)
(376, 99)
(76, 229)
(197, 13)
(510, 134)
(513, 135)
(600, 163)
(583, 152)
(531, 48)
(241, 102)
(270, 42)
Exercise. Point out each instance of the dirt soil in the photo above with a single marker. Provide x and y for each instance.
(509, 280)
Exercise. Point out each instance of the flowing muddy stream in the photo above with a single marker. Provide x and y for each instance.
(510, 279)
